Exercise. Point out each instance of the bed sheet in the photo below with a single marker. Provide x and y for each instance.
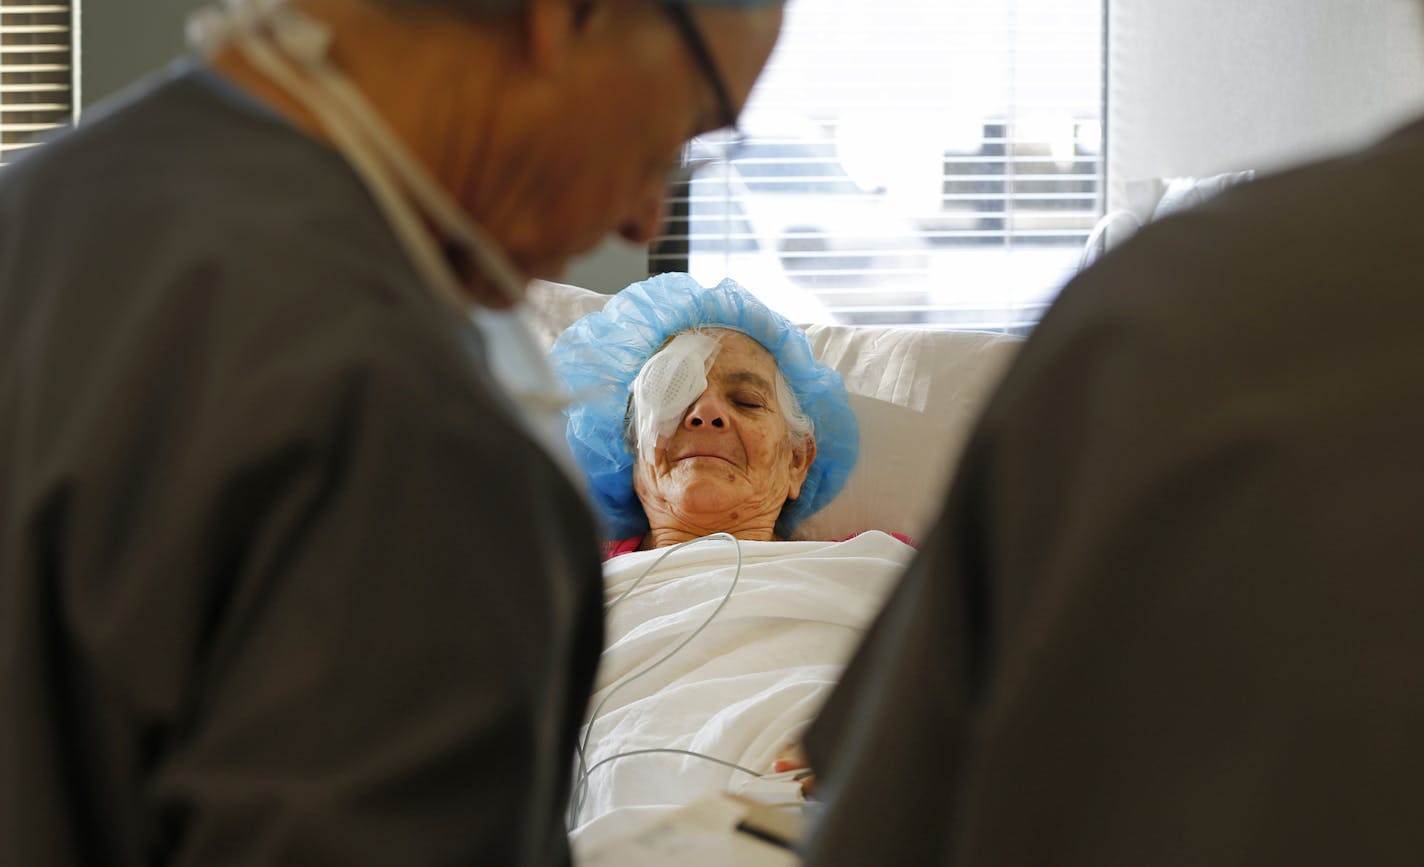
(744, 688)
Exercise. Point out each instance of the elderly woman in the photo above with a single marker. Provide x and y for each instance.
(701, 411)
(703, 415)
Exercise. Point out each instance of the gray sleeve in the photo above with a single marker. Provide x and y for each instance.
(1162, 617)
(889, 744)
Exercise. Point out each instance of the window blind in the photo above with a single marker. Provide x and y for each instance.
(36, 72)
(924, 162)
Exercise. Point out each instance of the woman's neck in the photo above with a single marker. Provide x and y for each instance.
(662, 537)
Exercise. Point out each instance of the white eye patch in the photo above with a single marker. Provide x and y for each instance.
(668, 384)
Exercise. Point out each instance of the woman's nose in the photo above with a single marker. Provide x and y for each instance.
(705, 411)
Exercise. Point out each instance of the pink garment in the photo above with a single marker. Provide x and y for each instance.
(615, 547)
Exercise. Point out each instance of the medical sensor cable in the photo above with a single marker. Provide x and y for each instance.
(658, 562)
(664, 750)
(580, 790)
(398, 183)
(307, 41)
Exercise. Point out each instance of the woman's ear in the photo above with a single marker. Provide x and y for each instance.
(803, 454)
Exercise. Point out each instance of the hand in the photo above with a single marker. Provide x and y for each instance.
(793, 759)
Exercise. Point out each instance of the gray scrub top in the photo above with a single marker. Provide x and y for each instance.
(1173, 612)
(281, 579)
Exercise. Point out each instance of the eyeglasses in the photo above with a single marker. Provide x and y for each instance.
(718, 146)
(687, 27)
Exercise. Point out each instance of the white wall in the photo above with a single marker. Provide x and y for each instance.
(1204, 86)
(610, 267)
(121, 40)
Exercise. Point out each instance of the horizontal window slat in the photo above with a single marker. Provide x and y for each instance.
(34, 49)
(35, 28)
(35, 87)
(29, 127)
(31, 107)
(935, 163)
(34, 67)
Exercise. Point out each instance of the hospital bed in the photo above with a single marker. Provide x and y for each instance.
(789, 616)
(916, 394)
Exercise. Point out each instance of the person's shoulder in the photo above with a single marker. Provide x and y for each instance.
(183, 194)
(150, 118)
(1253, 294)
(183, 225)
(178, 149)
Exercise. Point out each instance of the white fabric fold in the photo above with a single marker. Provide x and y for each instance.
(743, 689)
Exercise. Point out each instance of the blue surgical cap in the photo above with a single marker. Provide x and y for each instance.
(599, 355)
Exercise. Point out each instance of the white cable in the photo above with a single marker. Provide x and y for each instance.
(360, 134)
(654, 751)
(268, 35)
(580, 787)
(439, 205)
(658, 562)
(398, 212)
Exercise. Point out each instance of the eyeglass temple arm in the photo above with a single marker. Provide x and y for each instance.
(698, 46)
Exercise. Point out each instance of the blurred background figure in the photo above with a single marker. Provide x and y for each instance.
(286, 575)
(1170, 614)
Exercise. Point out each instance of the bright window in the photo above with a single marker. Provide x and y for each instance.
(928, 162)
(36, 72)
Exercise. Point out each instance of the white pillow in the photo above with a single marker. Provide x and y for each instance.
(1154, 198)
(916, 394)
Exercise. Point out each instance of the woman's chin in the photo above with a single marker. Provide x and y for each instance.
(711, 506)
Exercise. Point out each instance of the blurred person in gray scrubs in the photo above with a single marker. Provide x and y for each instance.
(288, 574)
(1173, 611)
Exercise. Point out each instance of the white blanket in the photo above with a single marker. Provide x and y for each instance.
(744, 688)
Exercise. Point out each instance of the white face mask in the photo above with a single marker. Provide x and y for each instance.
(668, 384)
(278, 41)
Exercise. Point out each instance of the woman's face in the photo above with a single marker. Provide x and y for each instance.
(730, 465)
